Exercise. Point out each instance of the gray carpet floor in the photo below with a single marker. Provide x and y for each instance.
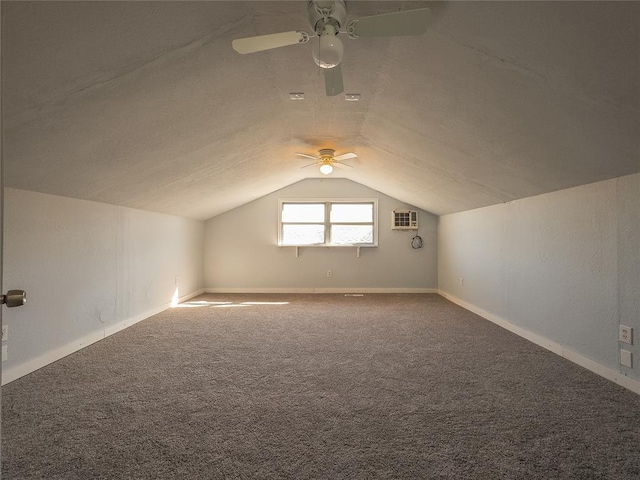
(317, 387)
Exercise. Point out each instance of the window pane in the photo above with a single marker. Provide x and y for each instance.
(351, 234)
(351, 212)
(303, 212)
(302, 234)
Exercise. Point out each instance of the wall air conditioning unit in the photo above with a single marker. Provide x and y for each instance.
(404, 220)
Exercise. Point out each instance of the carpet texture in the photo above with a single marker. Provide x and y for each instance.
(387, 386)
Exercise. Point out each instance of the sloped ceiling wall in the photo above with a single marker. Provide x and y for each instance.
(146, 105)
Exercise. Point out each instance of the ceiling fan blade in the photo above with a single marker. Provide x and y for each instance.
(312, 164)
(267, 42)
(396, 24)
(345, 156)
(333, 81)
(307, 156)
(342, 165)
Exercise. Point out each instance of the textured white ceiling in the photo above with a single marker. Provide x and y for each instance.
(146, 104)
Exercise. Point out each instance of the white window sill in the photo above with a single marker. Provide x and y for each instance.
(357, 247)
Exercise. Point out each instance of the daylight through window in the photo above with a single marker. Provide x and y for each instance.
(328, 223)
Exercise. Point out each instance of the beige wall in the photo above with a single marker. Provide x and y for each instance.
(565, 266)
(89, 270)
(241, 252)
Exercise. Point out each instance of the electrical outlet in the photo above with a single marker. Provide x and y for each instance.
(5, 353)
(329, 273)
(625, 358)
(461, 282)
(626, 334)
(5, 333)
(177, 280)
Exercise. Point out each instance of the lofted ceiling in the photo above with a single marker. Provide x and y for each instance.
(146, 105)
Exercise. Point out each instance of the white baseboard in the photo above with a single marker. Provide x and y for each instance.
(189, 296)
(149, 313)
(320, 290)
(13, 373)
(557, 348)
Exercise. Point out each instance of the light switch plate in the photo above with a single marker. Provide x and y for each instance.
(625, 358)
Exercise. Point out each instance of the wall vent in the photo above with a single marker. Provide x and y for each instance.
(404, 220)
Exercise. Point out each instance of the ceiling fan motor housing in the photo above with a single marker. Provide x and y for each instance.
(322, 13)
(327, 154)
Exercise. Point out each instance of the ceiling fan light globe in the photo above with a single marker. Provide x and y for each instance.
(326, 169)
(327, 50)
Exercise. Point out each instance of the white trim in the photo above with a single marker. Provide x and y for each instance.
(13, 373)
(110, 330)
(555, 347)
(322, 245)
(17, 371)
(319, 290)
(189, 296)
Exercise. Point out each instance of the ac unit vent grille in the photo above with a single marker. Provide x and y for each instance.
(404, 220)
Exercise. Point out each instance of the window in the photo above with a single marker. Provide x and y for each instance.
(330, 223)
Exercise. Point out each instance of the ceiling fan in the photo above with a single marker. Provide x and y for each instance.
(328, 20)
(327, 160)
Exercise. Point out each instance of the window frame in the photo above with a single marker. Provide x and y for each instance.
(327, 202)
